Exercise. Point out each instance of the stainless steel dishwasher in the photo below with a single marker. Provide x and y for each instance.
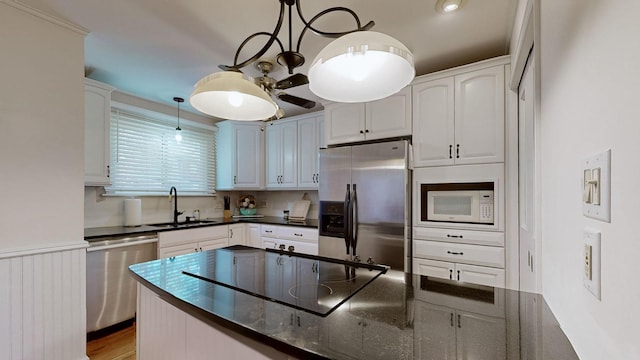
(111, 291)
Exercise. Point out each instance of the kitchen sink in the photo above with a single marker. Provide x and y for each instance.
(184, 224)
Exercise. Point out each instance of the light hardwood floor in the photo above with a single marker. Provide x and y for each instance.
(117, 346)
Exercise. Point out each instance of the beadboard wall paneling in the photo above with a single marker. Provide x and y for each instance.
(42, 306)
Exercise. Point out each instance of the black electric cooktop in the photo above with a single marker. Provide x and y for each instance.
(310, 283)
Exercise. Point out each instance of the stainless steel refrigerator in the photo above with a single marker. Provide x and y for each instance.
(365, 204)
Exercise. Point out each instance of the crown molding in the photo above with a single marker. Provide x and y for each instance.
(54, 19)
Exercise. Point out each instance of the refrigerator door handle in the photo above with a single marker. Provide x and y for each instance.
(347, 218)
(354, 220)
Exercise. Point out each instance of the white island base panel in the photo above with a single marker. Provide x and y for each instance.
(166, 332)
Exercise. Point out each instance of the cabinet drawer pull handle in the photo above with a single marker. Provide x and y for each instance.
(268, 231)
(458, 280)
(450, 151)
(296, 234)
(457, 151)
(455, 253)
(450, 274)
(459, 325)
(235, 179)
(454, 236)
(451, 319)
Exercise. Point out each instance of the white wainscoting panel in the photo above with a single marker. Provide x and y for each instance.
(42, 306)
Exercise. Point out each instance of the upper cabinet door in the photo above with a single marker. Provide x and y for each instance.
(308, 147)
(479, 114)
(344, 122)
(385, 118)
(433, 123)
(389, 117)
(282, 155)
(460, 119)
(249, 157)
(97, 121)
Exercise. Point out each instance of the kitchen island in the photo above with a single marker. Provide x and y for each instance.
(241, 302)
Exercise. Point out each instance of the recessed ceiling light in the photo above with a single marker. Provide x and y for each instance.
(448, 6)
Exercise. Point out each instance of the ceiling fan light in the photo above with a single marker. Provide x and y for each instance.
(232, 95)
(361, 66)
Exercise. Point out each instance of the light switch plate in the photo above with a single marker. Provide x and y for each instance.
(591, 261)
(601, 209)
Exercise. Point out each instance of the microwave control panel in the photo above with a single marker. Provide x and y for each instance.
(486, 205)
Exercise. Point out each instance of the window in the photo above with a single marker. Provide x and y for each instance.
(146, 159)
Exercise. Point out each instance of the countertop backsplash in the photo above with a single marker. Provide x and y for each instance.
(100, 211)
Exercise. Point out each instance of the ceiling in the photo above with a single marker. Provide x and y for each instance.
(158, 49)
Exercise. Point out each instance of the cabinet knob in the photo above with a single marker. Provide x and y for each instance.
(367, 130)
(361, 132)
(282, 247)
(291, 248)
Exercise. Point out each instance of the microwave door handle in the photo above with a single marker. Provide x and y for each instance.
(347, 219)
(354, 220)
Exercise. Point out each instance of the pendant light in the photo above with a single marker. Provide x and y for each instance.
(231, 95)
(361, 66)
(178, 130)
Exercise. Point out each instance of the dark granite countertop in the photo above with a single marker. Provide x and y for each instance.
(396, 316)
(92, 234)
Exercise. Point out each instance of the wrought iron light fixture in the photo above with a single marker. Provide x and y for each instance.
(178, 130)
(384, 66)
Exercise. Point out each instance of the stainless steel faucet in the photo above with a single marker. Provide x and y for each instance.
(174, 192)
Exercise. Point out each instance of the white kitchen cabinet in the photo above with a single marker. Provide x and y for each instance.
(179, 242)
(310, 135)
(459, 119)
(468, 256)
(446, 333)
(298, 239)
(240, 156)
(97, 122)
(253, 235)
(237, 234)
(481, 275)
(282, 154)
(384, 118)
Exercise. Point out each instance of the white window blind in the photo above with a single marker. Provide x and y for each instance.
(146, 159)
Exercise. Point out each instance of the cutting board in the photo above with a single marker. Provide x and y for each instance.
(300, 209)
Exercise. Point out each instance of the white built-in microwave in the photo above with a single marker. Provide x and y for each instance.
(471, 203)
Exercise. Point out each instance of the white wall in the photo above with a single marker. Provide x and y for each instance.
(42, 248)
(41, 132)
(589, 102)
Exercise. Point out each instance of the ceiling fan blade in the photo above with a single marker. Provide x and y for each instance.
(229, 68)
(307, 104)
(292, 81)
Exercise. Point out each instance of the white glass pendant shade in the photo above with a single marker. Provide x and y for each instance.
(361, 66)
(232, 95)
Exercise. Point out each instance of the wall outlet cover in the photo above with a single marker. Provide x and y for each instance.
(597, 205)
(591, 261)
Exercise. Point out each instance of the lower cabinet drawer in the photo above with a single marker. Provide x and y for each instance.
(459, 253)
(480, 275)
(298, 233)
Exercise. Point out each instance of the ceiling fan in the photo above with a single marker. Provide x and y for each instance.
(271, 85)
